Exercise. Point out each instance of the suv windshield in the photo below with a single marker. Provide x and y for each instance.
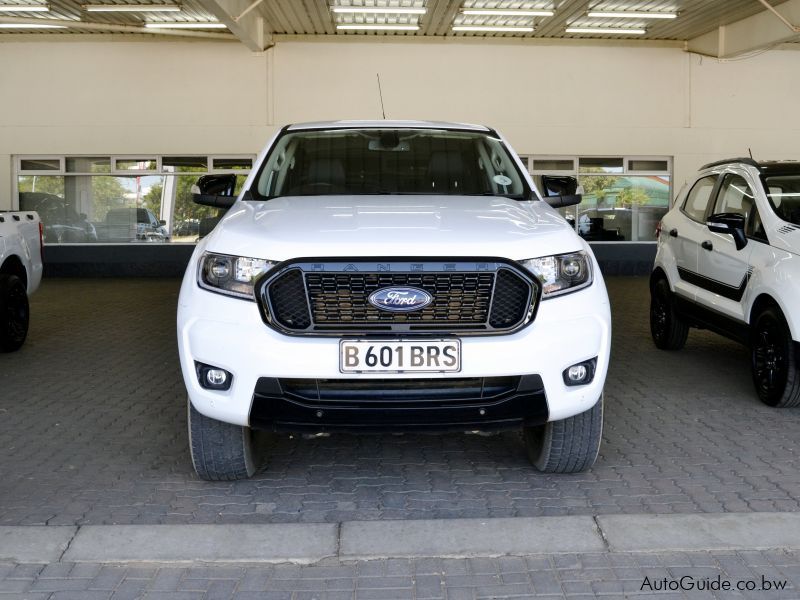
(389, 161)
(783, 192)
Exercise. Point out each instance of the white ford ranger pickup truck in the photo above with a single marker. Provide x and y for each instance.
(385, 276)
(20, 274)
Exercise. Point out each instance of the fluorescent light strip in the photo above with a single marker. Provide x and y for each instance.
(185, 26)
(379, 27)
(496, 12)
(378, 10)
(24, 8)
(492, 28)
(606, 30)
(132, 8)
(631, 15)
(31, 26)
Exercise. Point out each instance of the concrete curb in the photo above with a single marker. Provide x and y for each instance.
(35, 544)
(306, 543)
(722, 531)
(281, 542)
(465, 538)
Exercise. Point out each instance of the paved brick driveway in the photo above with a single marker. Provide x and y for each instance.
(92, 431)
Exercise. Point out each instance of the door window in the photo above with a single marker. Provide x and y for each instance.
(735, 196)
(698, 198)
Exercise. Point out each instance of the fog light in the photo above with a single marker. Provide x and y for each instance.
(580, 374)
(218, 377)
(213, 378)
(576, 373)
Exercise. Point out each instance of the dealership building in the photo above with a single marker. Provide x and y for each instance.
(112, 108)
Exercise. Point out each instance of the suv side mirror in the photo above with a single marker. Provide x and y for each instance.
(215, 190)
(560, 190)
(730, 223)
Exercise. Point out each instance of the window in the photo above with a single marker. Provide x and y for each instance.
(388, 161)
(623, 197)
(81, 200)
(734, 196)
(696, 202)
(783, 193)
(755, 228)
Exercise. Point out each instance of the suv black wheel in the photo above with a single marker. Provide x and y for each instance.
(14, 313)
(567, 446)
(668, 330)
(774, 360)
(220, 451)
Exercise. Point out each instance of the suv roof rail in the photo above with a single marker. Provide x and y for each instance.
(742, 159)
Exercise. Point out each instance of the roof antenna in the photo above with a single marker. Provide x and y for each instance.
(380, 93)
(751, 153)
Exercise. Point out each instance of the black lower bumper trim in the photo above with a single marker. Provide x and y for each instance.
(388, 405)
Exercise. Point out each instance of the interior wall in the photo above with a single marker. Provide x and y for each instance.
(128, 96)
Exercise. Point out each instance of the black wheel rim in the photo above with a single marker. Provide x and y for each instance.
(17, 313)
(659, 313)
(770, 358)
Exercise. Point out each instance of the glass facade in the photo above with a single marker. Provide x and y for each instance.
(87, 200)
(624, 198)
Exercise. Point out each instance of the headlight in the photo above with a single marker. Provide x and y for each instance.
(231, 275)
(562, 273)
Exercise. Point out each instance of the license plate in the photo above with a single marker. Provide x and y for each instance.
(399, 356)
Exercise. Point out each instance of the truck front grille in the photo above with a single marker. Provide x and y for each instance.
(483, 297)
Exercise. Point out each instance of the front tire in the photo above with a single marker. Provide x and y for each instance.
(774, 360)
(668, 330)
(220, 451)
(567, 446)
(14, 313)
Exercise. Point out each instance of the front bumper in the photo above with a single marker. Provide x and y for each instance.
(378, 405)
(229, 333)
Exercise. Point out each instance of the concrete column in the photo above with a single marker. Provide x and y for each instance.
(6, 188)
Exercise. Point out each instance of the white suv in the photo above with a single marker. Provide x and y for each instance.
(391, 276)
(728, 261)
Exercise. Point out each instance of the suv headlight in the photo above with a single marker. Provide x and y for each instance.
(231, 275)
(562, 273)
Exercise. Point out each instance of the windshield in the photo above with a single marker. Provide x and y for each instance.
(389, 161)
(783, 192)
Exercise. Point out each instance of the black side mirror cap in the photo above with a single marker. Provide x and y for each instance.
(731, 224)
(561, 201)
(215, 190)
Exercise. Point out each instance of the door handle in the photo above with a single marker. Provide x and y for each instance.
(673, 233)
(707, 245)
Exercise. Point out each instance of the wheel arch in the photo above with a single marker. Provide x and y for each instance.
(765, 300)
(13, 266)
(658, 273)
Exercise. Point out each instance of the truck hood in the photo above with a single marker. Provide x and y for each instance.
(391, 225)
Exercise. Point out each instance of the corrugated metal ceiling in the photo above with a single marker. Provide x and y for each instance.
(314, 17)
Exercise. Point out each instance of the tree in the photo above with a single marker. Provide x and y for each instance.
(48, 184)
(632, 195)
(597, 186)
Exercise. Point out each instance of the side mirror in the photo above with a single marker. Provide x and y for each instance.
(559, 185)
(215, 190)
(729, 223)
(163, 223)
(561, 201)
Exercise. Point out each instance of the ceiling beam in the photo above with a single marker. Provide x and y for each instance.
(763, 30)
(440, 16)
(243, 19)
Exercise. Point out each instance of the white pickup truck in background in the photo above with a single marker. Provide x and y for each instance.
(20, 274)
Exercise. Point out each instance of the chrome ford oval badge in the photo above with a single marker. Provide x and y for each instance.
(400, 299)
